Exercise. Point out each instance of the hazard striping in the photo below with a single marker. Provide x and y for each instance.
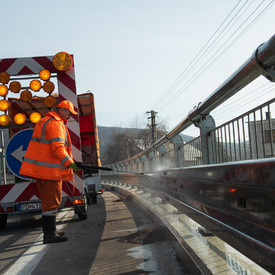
(30, 259)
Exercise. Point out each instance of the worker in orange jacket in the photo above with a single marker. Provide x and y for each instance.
(49, 160)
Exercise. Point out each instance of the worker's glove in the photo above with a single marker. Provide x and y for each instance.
(74, 167)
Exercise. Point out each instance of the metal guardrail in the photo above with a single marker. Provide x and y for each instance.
(234, 201)
(261, 62)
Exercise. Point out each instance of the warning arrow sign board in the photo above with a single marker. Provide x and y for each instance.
(16, 150)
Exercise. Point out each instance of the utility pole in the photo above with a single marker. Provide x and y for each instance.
(153, 125)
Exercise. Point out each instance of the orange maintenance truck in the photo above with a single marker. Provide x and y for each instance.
(29, 88)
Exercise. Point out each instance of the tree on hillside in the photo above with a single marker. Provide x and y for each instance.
(124, 145)
(121, 146)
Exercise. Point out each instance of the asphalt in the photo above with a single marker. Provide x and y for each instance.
(118, 237)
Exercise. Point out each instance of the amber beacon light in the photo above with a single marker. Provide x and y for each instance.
(45, 74)
(4, 77)
(35, 117)
(19, 118)
(4, 120)
(35, 85)
(62, 61)
(3, 90)
(4, 105)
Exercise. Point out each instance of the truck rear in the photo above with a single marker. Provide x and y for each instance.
(29, 88)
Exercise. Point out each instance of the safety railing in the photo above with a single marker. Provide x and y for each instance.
(246, 137)
(249, 136)
(212, 177)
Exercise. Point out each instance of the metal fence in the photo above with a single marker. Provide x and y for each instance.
(249, 136)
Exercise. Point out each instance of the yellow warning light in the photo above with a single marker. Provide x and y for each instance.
(35, 85)
(15, 86)
(4, 105)
(49, 101)
(26, 96)
(4, 77)
(35, 117)
(19, 118)
(4, 120)
(45, 75)
(48, 87)
(62, 61)
(3, 90)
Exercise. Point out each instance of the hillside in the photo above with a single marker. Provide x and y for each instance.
(105, 135)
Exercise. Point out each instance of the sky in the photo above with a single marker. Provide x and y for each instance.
(131, 53)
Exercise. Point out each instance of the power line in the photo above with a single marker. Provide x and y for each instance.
(171, 94)
(223, 110)
(194, 61)
(201, 70)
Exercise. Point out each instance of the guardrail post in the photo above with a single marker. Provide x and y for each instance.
(177, 141)
(126, 164)
(118, 167)
(150, 157)
(162, 151)
(208, 146)
(143, 161)
(137, 161)
(132, 163)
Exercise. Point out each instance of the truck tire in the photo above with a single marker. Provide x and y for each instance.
(91, 198)
(3, 220)
(82, 214)
(94, 198)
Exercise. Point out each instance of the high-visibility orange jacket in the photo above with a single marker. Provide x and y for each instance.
(50, 150)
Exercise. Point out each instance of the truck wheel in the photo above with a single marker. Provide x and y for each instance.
(82, 215)
(94, 198)
(89, 199)
(3, 220)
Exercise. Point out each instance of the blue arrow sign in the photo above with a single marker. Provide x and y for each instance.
(16, 150)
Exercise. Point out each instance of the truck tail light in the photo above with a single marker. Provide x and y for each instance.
(79, 201)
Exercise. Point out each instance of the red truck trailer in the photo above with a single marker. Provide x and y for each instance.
(29, 88)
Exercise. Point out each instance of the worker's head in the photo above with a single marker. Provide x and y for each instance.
(65, 108)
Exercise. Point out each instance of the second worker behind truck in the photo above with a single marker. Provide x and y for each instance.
(49, 161)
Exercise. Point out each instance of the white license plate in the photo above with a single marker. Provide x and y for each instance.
(29, 206)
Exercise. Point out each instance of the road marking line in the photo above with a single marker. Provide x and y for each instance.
(29, 260)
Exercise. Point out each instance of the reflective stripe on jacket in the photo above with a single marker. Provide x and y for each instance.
(50, 150)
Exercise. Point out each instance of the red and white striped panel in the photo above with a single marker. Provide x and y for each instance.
(24, 191)
(66, 90)
(27, 191)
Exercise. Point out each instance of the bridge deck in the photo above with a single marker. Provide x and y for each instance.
(117, 238)
(200, 250)
(120, 237)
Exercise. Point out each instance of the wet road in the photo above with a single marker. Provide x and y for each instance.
(117, 238)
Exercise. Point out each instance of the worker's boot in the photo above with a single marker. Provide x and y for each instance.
(58, 231)
(49, 230)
